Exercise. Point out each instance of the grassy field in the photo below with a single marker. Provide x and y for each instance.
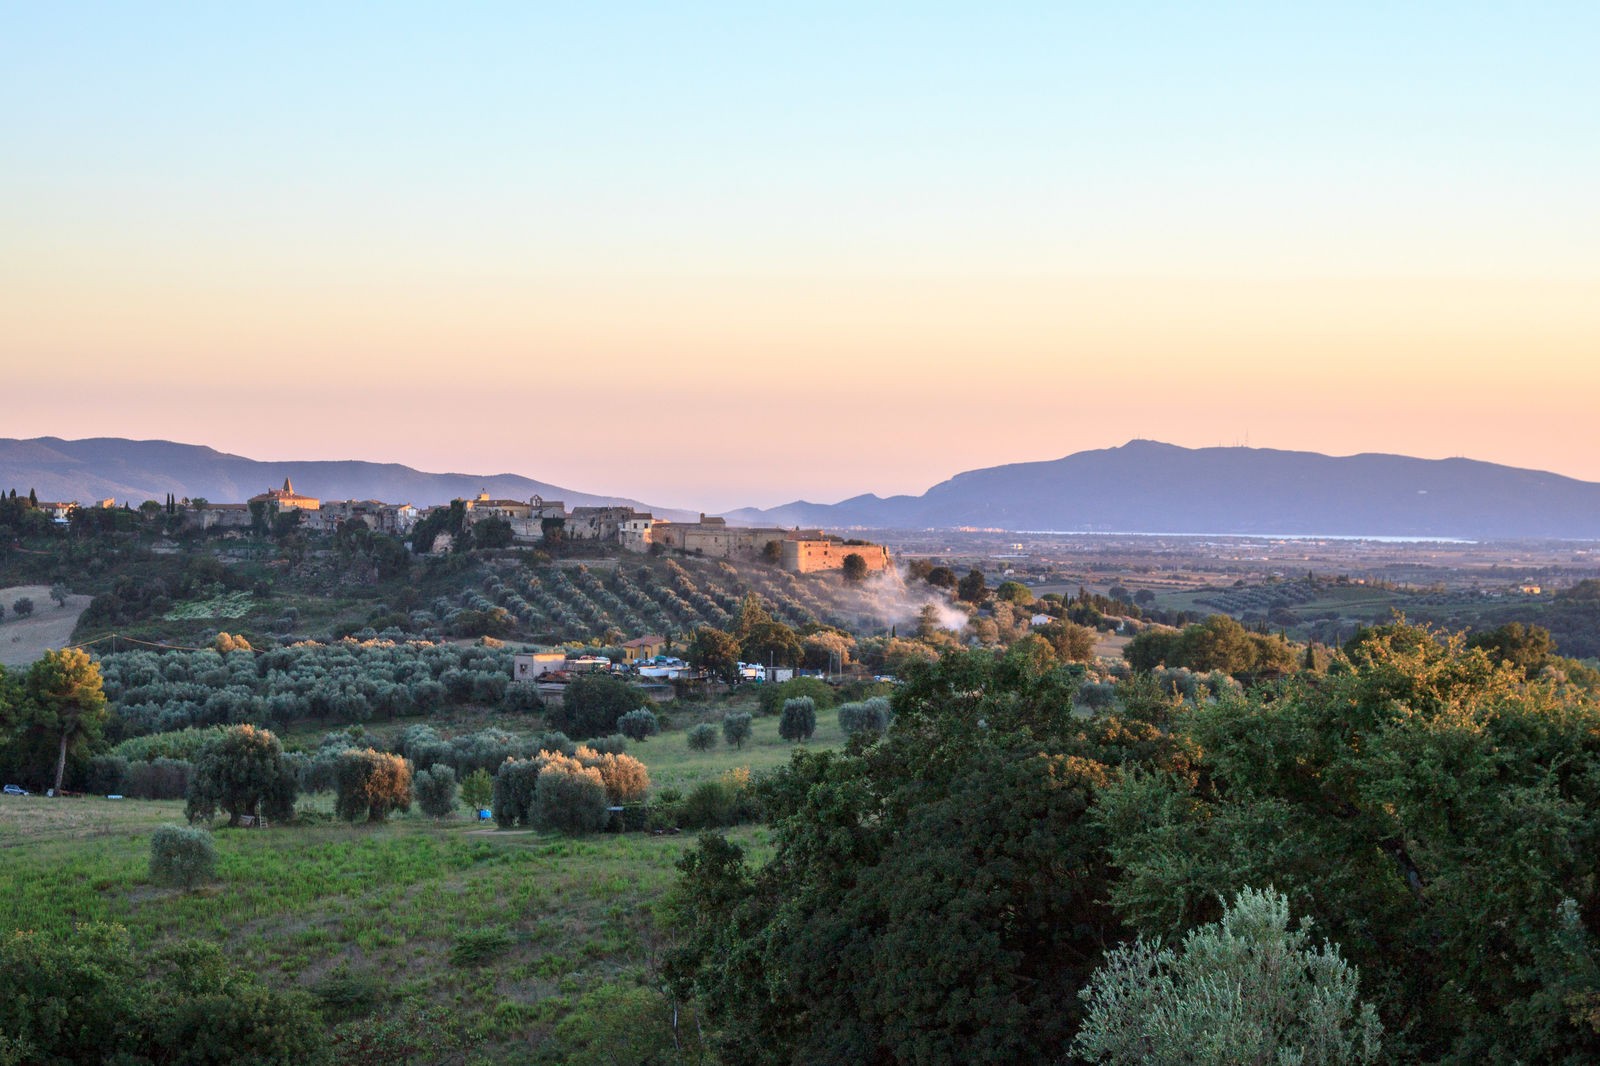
(24, 639)
(518, 937)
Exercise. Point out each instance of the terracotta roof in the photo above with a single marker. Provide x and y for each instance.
(644, 641)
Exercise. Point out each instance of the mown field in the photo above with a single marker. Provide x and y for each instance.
(531, 946)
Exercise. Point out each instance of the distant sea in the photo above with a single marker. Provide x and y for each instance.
(1242, 536)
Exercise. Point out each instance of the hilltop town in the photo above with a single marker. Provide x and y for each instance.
(524, 522)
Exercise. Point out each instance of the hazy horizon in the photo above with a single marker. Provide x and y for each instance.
(840, 251)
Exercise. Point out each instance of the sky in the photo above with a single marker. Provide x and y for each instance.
(710, 256)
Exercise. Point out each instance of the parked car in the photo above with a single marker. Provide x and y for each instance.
(15, 790)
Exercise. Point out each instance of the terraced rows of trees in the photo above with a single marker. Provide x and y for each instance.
(158, 692)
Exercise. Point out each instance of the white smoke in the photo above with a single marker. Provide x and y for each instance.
(890, 598)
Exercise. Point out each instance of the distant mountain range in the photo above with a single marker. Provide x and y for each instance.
(139, 470)
(1142, 487)
(1148, 487)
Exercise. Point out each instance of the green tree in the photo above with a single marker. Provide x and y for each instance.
(1070, 641)
(492, 533)
(592, 704)
(771, 643)
(736, 726)
(65, 700)
(639, 724)
(972, 588)
(59, 594)
(435, 789)
(22, 607)
(242, 772)
(85, 996)
(1014, 592)
(752, 613)
(702, 737)
(934, 898)
(1247, 989)
(477, 789)
(799, 720)
(855, 568)
(942, 577)
(715, 652)
(1528, 648)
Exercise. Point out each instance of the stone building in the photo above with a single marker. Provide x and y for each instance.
(286, 499)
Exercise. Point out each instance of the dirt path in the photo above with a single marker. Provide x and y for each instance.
(22, 640)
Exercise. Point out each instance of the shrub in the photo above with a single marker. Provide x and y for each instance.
(736, 728)
(799, 721)
(869, 716)
(615, 744)
(242, 772)
(346, 993)
(478, 946)
(85, 997)
(514, 785)
(435, 790)
(726, 801)
(625, 777)
(371, 784)
(569, 797)
(638, 725)
(182, 855)
(625, 1024)
(702, 737)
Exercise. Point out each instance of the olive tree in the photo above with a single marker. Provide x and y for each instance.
(799, 721)
(241, 772)
(182, 855)
(371, 783)
(435, 790)
(736, 728)
(639, 725)
(1245, 989)
(702, 737)
(569, 796)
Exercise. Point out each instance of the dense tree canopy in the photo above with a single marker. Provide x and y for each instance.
(935, 897)
(946, 892)
(1399, 802)
(1218, 643)
(715, 652)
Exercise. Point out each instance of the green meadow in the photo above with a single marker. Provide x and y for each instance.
(515, 939)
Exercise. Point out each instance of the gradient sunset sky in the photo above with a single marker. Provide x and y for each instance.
(708, 256)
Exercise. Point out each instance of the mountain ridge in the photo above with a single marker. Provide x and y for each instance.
(132, 471)
(1148, 486)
